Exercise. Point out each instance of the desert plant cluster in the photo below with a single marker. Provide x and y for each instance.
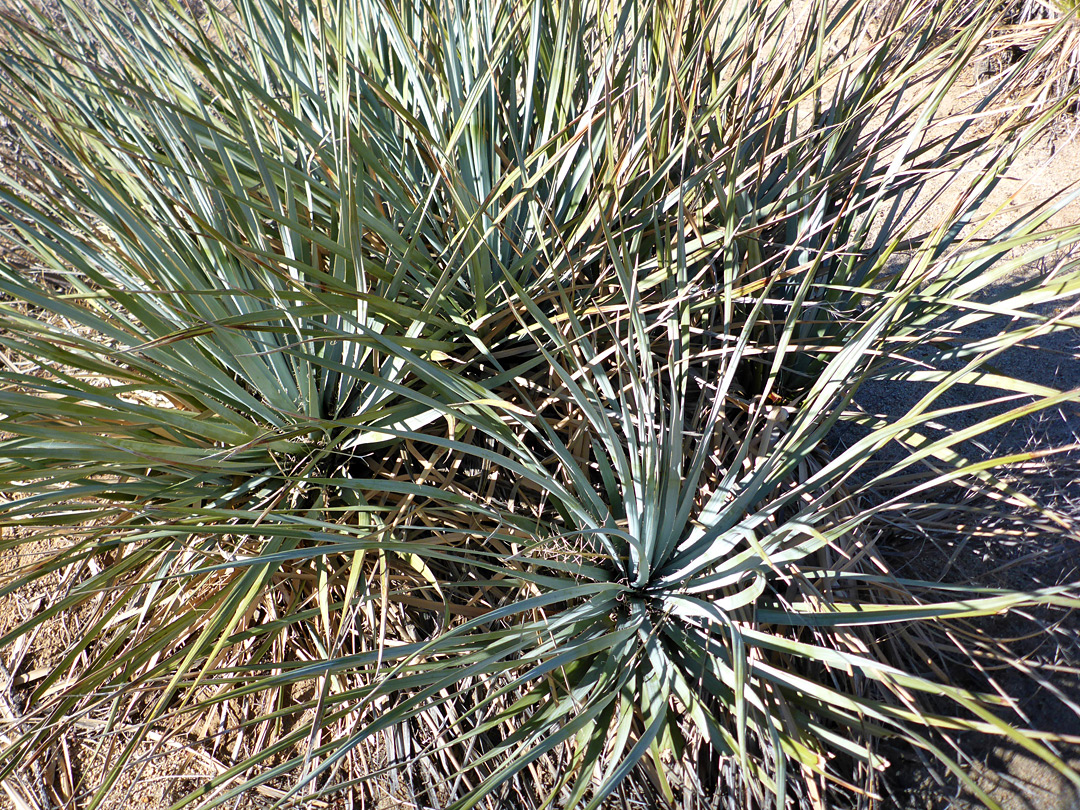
(437, 402)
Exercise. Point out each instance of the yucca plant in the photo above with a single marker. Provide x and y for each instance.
(440, 397)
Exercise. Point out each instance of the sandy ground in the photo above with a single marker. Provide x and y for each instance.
(1014, 778)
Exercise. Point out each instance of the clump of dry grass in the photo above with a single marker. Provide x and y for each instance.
(1037, 46)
